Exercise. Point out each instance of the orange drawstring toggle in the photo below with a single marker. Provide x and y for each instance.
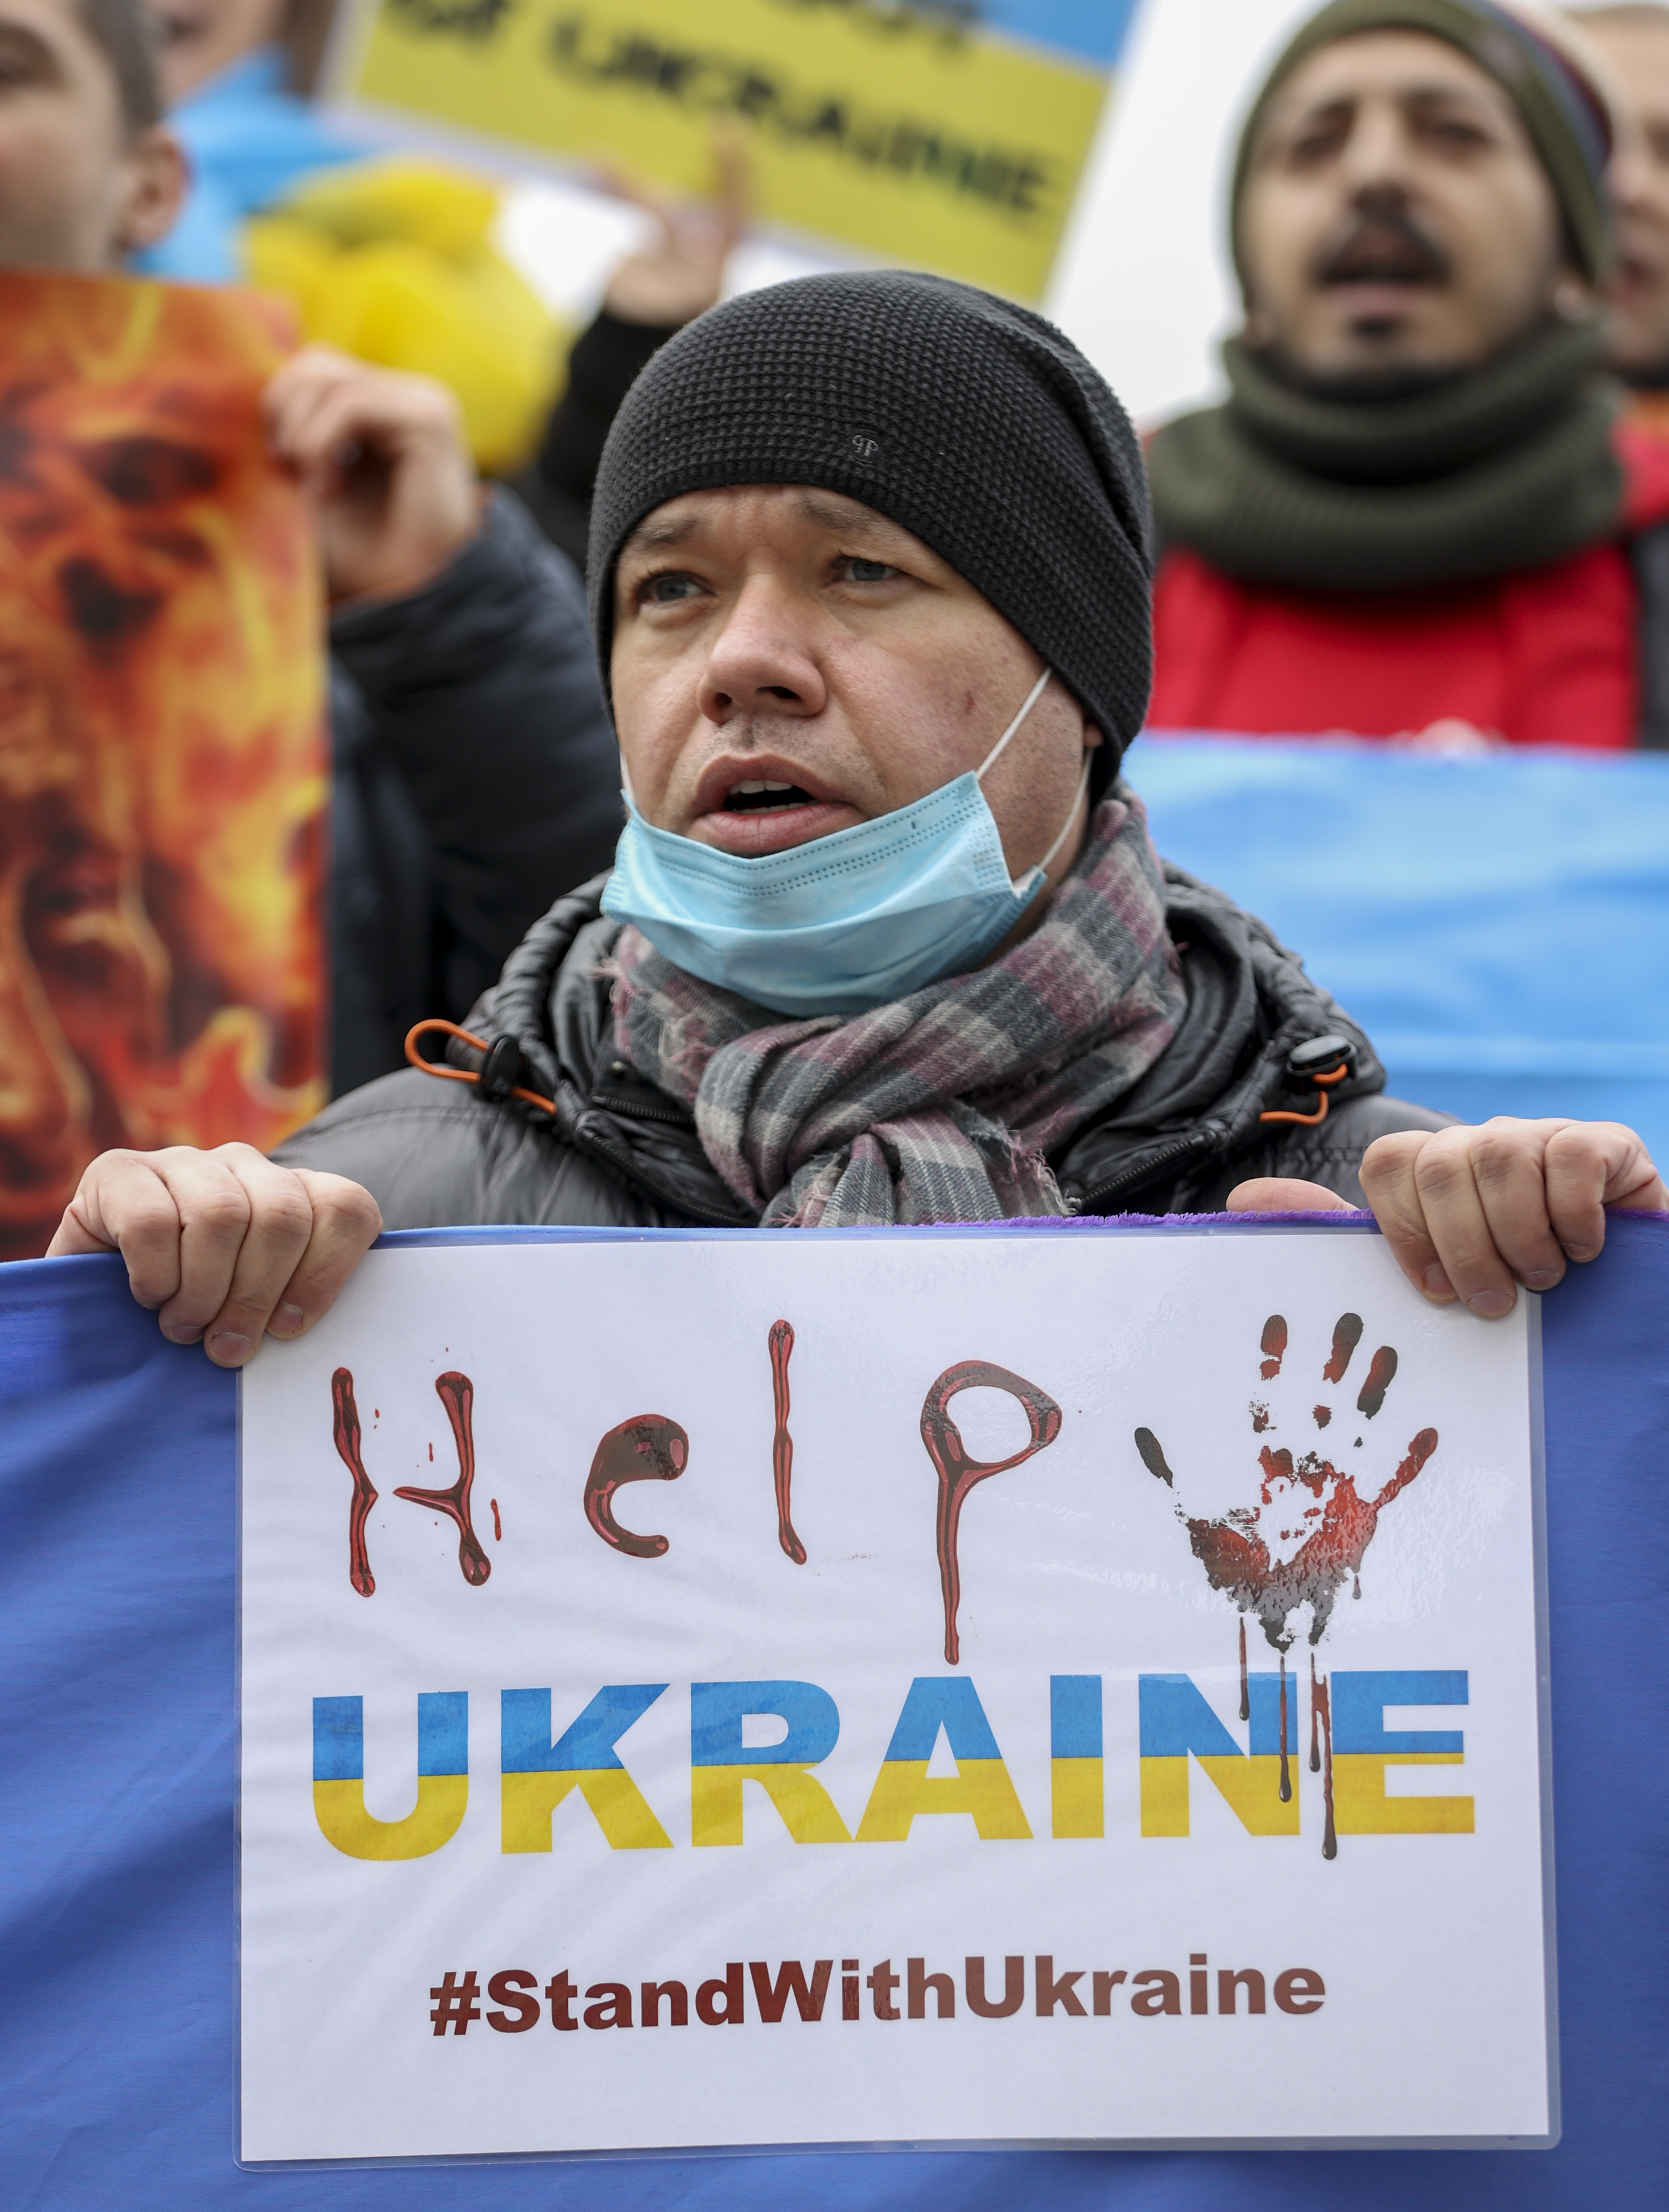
(1319, 1063)
(503, 1050)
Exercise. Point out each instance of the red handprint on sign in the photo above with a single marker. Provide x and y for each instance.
(1311, 1525)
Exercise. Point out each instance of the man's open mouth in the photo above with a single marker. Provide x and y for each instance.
(762, 797)
(172, 26)
(1384, 253)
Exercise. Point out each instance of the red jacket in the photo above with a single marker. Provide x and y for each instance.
(1542, 656)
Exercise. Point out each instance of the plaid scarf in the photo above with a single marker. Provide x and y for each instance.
(942, 1106)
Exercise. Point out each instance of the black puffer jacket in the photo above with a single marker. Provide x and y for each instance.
(620, 1153)
(475, 767)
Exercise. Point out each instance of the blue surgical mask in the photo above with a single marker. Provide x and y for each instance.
(846, 922)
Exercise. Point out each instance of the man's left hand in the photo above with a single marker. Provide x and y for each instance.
(383, 457)
(678, 271)
(1470, 1213)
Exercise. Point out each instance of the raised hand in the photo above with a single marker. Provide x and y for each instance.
(680, 271)
(1311, 1524)
(382, 456)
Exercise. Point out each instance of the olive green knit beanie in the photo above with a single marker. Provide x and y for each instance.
(1563, 112)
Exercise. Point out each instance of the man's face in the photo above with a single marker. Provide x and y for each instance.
(76, 191)
(198, 39)
(1395, 217)
(788, 663)
(1638, 293)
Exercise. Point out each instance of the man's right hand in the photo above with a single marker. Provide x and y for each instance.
(223, 1246)
(382, 456)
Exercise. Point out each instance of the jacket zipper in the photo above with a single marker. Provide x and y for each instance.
(673, 1115)
(1145, 1170)
(632, 1173)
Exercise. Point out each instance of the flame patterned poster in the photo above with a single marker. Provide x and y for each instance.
(1023, 1686)
(162, 765)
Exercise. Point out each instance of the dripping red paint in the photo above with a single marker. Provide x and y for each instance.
(456, 1393)
(958, 1474)
(648, 1448)
(1286, 1772)
(345, 1428)
(1321, 1698)
(1315, 1754)
(780, 1344)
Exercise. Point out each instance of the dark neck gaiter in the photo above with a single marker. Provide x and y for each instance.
(1506, 468)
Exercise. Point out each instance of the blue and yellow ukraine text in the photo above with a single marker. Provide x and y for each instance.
(1176, 1725)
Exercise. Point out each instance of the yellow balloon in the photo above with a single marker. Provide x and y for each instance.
(392, 260)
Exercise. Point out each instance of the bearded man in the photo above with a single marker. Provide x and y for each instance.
(1419, 505)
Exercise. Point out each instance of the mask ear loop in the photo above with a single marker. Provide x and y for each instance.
(1032, 698)
(1071, 813)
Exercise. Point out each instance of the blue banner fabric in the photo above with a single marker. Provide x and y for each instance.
(1498, 924)
(118, 2027)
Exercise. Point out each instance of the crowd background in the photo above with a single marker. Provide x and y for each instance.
(1493, 997)
(1498, 921)
(1495, 916)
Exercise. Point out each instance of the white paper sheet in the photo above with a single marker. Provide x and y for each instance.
(1415, 2002)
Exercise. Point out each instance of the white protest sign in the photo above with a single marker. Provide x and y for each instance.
(834, 1640)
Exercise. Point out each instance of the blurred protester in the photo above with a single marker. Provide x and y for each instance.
(88, 175)
(201, 41)
(1633, 41)
(236, 75)
(1416, 507)
(476, 771)
(677, 276)
(391, 258)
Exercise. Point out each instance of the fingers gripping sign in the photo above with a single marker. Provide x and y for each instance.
(1471, 1211)
(224, 1246)
(1314, 1518)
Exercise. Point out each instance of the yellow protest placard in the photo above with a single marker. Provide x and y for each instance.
(938, 133)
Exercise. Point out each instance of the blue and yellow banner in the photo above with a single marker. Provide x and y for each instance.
(943, 134)
(118, 1473)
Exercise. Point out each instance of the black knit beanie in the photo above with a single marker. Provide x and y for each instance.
(971, 422)
(1563, 112)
